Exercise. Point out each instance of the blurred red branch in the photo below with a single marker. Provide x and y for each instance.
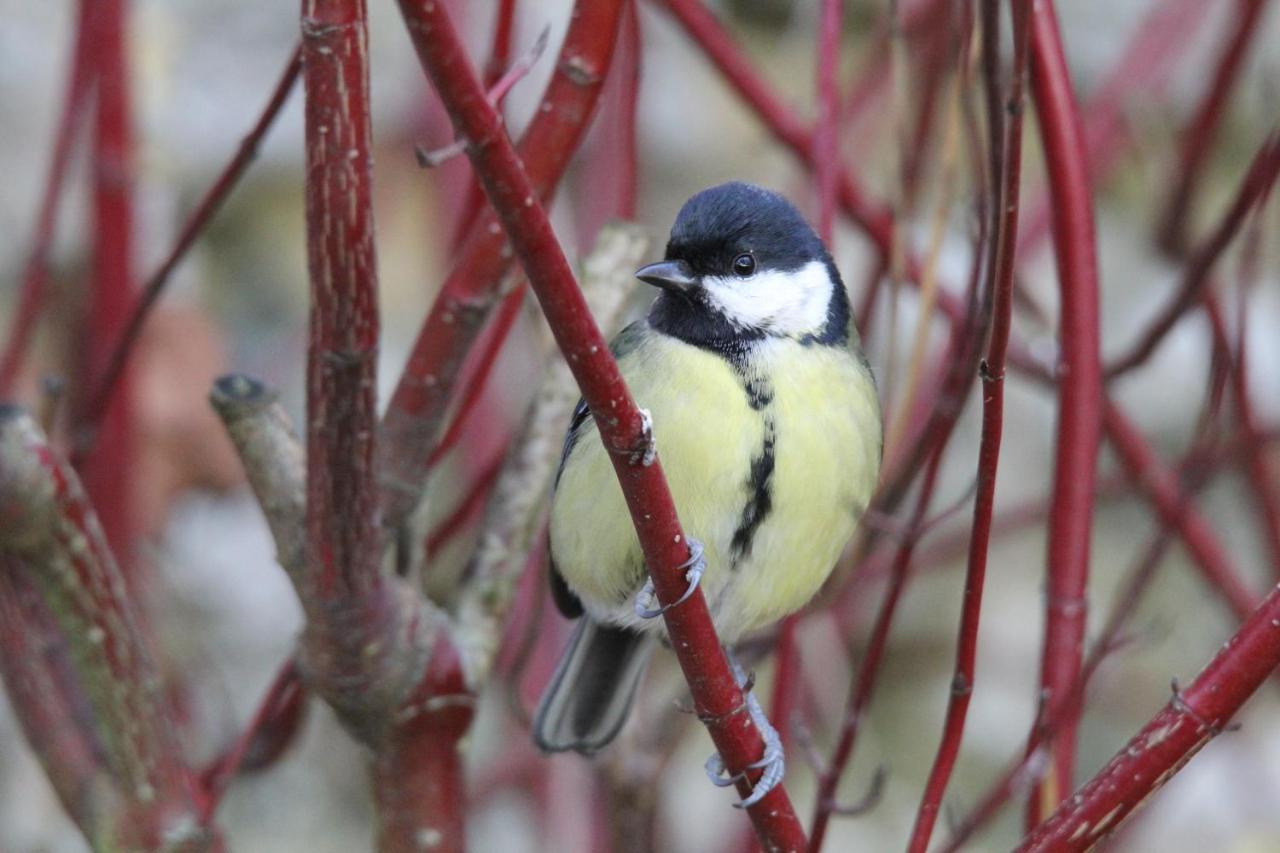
(134, 791)
(1079, 386)
(1197, 137)
(1142, 72)
(717, 697)
(1146, 467)
(269, 732)
(195, 225)
(416, 412)
(1255, 463)
(35, 271)
(108, 474)
(1252, 192)
(1191, 719)
(826, 151)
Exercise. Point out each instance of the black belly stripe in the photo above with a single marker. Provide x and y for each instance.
(760, 503)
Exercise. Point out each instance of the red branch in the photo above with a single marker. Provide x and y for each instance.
(204, 212)
(1142, 73)
(1254, 187)
(1255, 463)
(1191, 718)
(1006, 175)
(718, 699)
(50, 535)
(270, 731)
(108, 474)
(1197, 138)
(415, 414)
(826, 152)
(862, 688)
(35, 271)
(344, 552)
(1145, 466)
(1080, 383)
(45, 696)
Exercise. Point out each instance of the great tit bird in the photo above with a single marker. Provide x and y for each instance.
(764, 411)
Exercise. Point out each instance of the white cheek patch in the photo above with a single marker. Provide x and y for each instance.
(790, 303)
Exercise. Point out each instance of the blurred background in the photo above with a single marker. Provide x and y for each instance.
(226, 617)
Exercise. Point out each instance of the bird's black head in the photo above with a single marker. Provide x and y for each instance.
(741, 265)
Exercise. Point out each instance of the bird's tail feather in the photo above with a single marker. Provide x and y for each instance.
(591, 692)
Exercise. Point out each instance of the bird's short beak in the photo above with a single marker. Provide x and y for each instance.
(669, 275)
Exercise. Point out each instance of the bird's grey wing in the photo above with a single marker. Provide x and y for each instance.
(624, 342)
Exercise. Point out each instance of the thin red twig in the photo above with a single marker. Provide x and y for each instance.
(1197, 137)
(281, 704)
(1006, 172)
(863, 686)
(195, 225)
(717, 697)
(1254, 187)
(1256, 465)
(826, 152)
(35, 271)
(1142, 73)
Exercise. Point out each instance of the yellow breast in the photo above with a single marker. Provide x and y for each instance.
(811, 409)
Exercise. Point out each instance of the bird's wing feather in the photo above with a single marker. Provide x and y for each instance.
(624, 342)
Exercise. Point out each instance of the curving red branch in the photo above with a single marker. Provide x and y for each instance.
(415, 414)
(1079, 386)
(717, 697)
(1193, 717)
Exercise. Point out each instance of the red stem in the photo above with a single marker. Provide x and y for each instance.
(35, 271)
(740, 73)
(45, 697)
(271, 729)
(862, 688)
(826, 152)
(1143, 71)
(1079, 387)
(717, 696)
(1191, 718)
(468, 508)
(198, 220)
(108, 474)
(1256, 465)
(1252, 192)
(1006, 179)
(416, 411)
(1197, 533)
(477, 375)
(1197, 138)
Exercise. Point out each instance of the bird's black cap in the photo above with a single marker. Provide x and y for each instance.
(720, 223)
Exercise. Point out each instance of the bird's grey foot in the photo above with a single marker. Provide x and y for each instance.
(773, 762)
(694, 568)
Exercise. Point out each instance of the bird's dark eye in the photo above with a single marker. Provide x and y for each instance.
(744, 265)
